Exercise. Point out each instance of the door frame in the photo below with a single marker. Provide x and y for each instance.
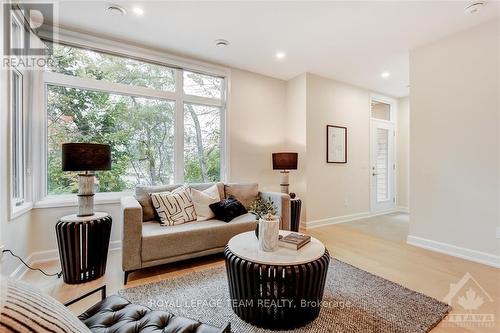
(393, 123)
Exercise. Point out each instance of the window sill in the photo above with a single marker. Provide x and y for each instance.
(71, 200)
(17, 211)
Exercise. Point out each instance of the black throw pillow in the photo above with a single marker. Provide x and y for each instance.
(228, 209)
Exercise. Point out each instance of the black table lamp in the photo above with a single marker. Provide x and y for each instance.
(285, 162)
(86, 158)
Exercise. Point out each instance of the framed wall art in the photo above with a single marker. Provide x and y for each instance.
(336, 144)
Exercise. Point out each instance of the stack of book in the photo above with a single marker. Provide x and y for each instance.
(294, 240)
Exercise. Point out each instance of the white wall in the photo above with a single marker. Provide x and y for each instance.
(256, 127)
(454, 140)
(296, 136)
(335, 190)
(403, 153)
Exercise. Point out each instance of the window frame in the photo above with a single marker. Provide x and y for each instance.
(18, 146)
(17, 140)
(179, 97)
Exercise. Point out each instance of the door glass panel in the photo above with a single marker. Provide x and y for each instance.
(381, 110)
(382, 164)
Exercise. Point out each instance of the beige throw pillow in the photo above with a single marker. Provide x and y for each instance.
(202, 200)
(174, 207)
(245, 193)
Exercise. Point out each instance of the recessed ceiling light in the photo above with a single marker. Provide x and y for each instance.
(138, 11)
(280, 55)
(221, 42)
(385, 75)
(474, 7)
(116, 10)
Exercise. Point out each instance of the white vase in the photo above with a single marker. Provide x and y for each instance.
(268, 234)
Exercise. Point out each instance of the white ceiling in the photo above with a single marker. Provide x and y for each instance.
(348, 41)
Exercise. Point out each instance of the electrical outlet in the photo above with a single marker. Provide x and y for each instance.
(498, 232)
(346, 202)
(2, 247)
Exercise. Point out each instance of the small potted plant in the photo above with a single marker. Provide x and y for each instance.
(267, 230)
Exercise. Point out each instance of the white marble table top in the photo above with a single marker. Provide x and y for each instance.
(246, 246)
(75, 218)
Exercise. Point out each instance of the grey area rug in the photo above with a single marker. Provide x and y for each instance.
(353, 301)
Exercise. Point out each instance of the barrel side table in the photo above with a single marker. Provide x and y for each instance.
(83, 246)
(279, 290)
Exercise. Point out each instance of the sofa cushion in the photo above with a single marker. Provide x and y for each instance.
(202, 200)
(228, 209)
(163, 242)
(26, 309)
(245, 193)
(142, 194)
(174, 207)
(116, 314)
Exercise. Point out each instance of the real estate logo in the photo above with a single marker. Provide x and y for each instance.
(473, 306)
(24, 23)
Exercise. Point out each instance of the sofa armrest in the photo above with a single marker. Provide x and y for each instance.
(132, 233)
(282, 202)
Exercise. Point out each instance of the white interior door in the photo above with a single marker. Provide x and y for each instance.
(382, 166)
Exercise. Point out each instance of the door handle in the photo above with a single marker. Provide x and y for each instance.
(374, 174)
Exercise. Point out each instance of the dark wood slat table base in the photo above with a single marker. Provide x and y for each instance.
(276, 297)
(83, 248)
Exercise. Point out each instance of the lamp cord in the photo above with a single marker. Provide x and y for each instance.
(33, 269)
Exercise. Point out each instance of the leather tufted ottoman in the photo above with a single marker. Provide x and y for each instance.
(115, 314)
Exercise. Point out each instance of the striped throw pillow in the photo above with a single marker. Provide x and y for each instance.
(26, 309)
(174, 207)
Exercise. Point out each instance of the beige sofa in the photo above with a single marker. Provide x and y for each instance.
(146, 243)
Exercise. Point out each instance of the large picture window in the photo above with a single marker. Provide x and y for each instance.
(150, 114)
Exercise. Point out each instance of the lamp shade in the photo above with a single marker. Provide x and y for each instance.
(285, 161)
(85, 157)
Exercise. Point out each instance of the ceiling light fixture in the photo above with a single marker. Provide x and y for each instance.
(474, 7)
(385, 75)
(116, 10)
(221, 42)
(138, 11)
(280, 55)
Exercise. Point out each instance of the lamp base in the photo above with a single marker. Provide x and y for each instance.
(85, 194)
(284, 182)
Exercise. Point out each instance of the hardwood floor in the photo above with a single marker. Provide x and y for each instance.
(425, 271)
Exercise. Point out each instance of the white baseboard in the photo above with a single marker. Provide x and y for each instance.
(50, 255)
(455, 251)
(403, 209)
(343, 219)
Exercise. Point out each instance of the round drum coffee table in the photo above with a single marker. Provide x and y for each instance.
(275, 290)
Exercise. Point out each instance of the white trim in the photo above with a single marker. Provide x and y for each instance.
(226, 167)
(455, 251)
(71, 200)
(403, 209)
(343, 219)
(20, 210)
(179, 124)
(57, 79)
(51, 255)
